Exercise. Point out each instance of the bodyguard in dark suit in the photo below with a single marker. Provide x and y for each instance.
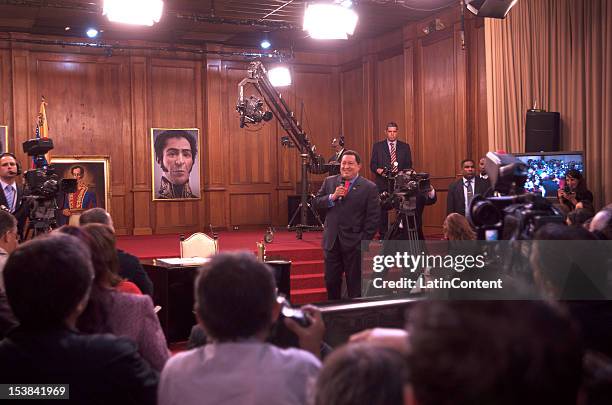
(338, 146)
(462, 191)
(11, 193)
(384, 156)
(352, 216)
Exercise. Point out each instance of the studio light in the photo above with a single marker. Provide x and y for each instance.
(92, 32)
(279, 76)
(329, 21)
(490, 8)
(265, 44)
(137, 12)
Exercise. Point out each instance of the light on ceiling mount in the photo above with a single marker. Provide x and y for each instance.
(137, 12)
(92, 32)
(330, 20)
(490, 8)
(279, 76)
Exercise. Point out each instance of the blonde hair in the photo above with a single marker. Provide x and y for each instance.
(456, 227)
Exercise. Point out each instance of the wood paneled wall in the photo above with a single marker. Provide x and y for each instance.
(106, 105)
(432, 86)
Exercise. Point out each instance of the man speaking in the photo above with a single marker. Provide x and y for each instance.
(353, 212)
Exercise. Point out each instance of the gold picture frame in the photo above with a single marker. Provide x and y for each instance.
(95, 192)
(175, 164)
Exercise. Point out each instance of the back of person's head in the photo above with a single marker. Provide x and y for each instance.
(46, 278)
(493, 352)
(101, 241)
(95, 216)
(567, 263)
(602, 223)
(362, 374)
(235, 296)
(457, 227)
(7, 222)
(579, 216)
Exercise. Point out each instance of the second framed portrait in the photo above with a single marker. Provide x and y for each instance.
(175, 163)
(92, 174)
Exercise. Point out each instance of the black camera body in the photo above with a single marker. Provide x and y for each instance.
(41, 187)
(510, 214)
(251, 111)
(42, 181)
(406, 186)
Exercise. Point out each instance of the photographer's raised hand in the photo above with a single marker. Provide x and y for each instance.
(310, 337)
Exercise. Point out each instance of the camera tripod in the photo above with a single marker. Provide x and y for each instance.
(41, 217)
(304, 206)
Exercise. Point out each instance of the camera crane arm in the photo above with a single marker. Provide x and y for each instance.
(258, 78)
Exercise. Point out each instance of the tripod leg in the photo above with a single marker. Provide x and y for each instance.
(315, 214)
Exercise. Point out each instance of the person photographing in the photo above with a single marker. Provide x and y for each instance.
(575, 190)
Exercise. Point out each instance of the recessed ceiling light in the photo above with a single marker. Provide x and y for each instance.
(265, 44)
(92, 32)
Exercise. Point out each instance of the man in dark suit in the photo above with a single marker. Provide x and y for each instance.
(353, 211)
(389, 155)
(462, 191)
(11, 193)
(338, 147)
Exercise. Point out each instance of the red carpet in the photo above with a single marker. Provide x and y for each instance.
(306, 255)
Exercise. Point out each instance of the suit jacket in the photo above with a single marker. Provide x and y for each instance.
(20, 212)
(352, 219)
(455, 201)
(130, 268)
(101, 369)
(337, 157)
(381, 158)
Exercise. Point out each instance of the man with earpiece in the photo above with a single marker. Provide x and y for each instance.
(11, 193)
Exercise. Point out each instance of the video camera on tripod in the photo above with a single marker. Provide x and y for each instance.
(42, 186)
(405, 185)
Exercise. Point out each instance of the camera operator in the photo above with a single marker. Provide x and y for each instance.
(11, 193)
(391, 155)
(575, 190)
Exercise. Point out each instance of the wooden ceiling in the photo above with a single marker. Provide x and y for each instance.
(229, 22)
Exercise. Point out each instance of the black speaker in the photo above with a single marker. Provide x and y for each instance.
(490, 8)
(542, 131)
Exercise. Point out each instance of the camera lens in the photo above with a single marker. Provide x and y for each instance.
(485, 214)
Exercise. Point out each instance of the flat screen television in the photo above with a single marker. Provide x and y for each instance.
(546, 172)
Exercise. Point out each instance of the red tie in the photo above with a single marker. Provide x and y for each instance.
(394, 167)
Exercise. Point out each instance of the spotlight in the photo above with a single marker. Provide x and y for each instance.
(329, 21)
(279, 76)
(265, 44)
(92, 32)
(137, 12)
(490, 8)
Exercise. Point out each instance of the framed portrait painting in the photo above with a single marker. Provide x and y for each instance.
(175, 161)
(3, 138)
(93, 185)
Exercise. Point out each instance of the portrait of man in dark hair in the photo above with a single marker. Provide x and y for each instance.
(175, 154)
